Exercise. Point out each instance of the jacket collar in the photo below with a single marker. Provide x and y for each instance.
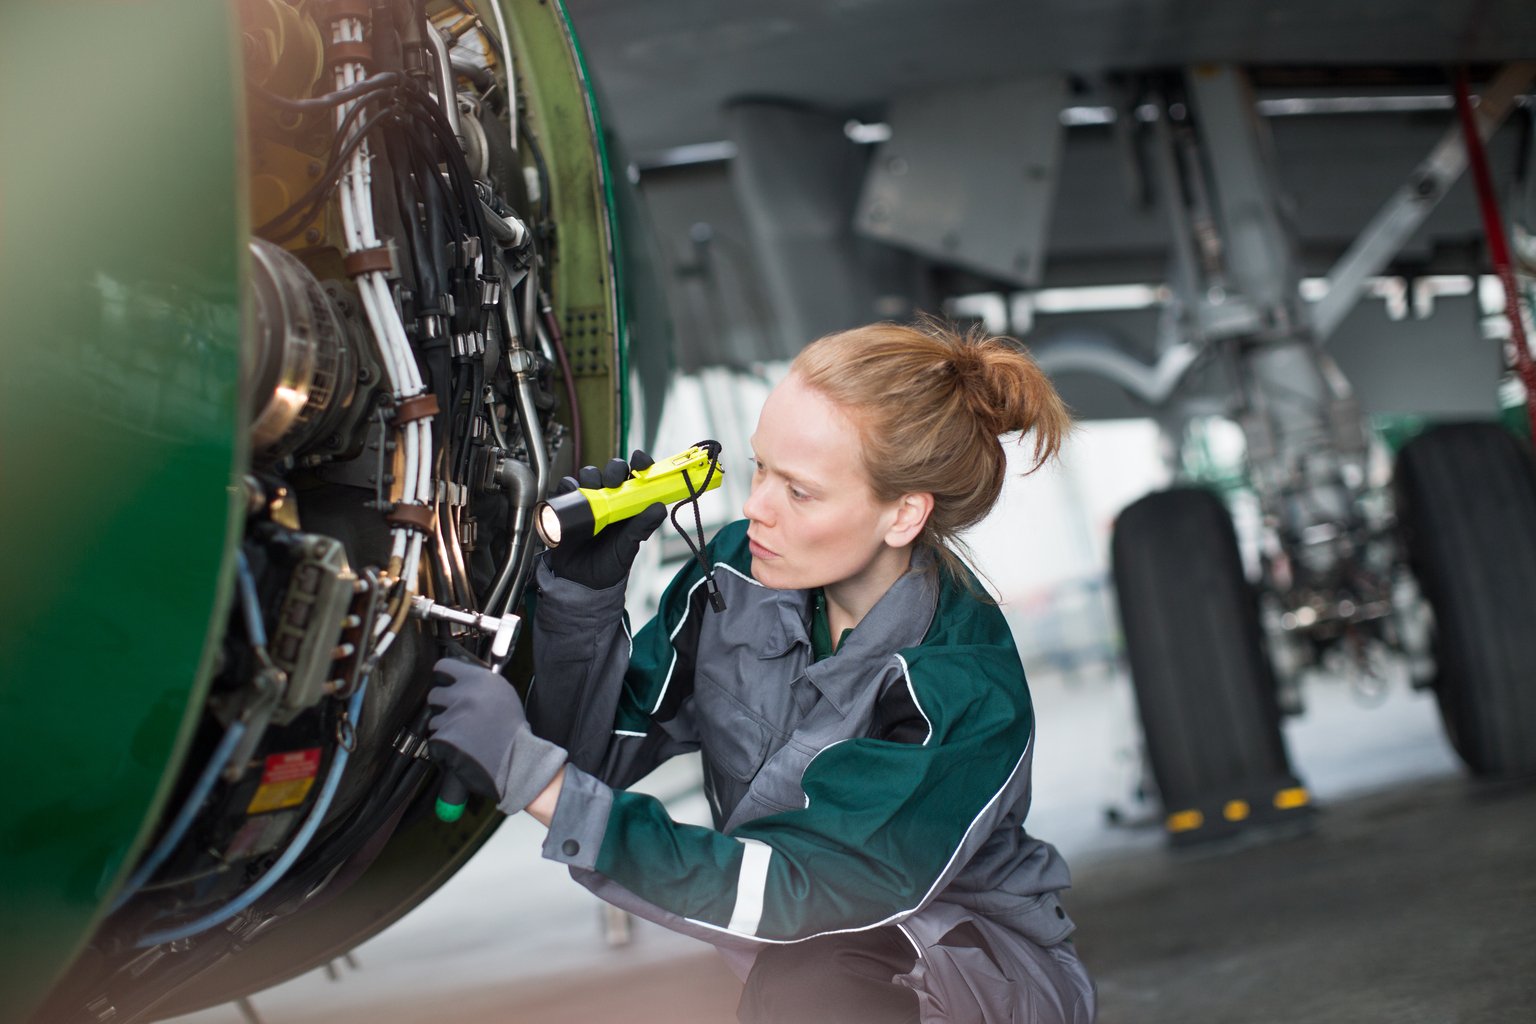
(785, 626)
(899, 620)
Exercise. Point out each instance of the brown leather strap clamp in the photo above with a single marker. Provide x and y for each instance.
(369, 261)
(350, 52)
(417, 407)
(413, 517)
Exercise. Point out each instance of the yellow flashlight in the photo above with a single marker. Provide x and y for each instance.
(583, 513)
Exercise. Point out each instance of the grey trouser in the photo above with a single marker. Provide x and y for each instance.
(876, 976)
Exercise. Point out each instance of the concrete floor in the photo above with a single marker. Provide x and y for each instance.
(1417, 904)
(1413, 899)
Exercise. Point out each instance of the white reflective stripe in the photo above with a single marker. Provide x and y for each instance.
(916, 946)
(906, 671)
(751, 884)
(687, 610)
(672, 665)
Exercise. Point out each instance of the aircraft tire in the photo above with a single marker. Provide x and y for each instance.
(1466, 496)
(1204, 686)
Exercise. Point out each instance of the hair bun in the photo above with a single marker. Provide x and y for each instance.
(975, 365)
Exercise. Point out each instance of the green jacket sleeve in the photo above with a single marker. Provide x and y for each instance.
(885, 827)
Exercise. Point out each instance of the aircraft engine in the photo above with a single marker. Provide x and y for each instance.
(407, 397)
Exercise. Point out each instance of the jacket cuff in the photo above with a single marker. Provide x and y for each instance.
(580, 820)
(569, 607)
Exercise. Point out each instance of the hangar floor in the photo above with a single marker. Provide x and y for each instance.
(1412, 900)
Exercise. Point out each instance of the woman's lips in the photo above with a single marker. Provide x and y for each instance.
(758, 551)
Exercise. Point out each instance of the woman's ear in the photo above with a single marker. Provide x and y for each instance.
(912, 512)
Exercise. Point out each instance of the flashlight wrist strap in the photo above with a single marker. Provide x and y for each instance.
(711, 586)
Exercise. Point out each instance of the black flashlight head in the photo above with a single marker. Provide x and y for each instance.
(564, 518)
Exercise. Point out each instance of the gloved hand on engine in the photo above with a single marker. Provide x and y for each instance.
(604, 560)
(478, 731)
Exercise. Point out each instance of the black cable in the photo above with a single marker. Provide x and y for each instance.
(463, 191)
(319, 194)
(711, 586)
(326, 179)
(373, 83)
(465, 224)
(473, 212)
(380, 797)
(458, 427)
(540, 167)
(476, 403)
(397, 148)
(436, 215)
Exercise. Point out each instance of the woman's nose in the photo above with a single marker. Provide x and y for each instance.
(755, 507)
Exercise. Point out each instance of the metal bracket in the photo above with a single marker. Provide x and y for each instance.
(1381, 239)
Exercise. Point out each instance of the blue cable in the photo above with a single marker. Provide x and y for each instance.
(256, 632)
(183, 820)
(280, 868)
(255, 629)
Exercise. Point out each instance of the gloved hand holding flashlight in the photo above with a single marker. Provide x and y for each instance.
(602, 561)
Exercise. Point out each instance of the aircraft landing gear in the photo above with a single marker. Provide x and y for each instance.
(1466, 496)
(1205, 691)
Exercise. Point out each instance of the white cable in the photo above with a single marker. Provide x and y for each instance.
(356, 207)
(405, 381)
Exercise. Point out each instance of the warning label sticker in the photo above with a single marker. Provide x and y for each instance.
(286, 779)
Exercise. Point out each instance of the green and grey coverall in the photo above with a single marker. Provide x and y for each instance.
(885, 785)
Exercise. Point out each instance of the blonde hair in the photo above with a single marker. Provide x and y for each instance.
(930, 405)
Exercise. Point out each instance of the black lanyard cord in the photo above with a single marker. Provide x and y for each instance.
(716, 599)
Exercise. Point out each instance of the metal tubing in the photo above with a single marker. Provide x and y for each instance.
(511, 577)
(1402, 214)
(1099, 353)
(1166, 172)
(447, 95)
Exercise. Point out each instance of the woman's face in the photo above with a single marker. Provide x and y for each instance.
(814, 520)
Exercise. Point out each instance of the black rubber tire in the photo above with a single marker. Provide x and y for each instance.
(1466, 502)
(1204, 687)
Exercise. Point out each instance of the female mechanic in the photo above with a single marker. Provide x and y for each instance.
(864, 723)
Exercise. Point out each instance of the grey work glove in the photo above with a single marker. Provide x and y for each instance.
(479, 733)
(604, 560)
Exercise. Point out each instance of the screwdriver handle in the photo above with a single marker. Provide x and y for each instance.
(452, 795)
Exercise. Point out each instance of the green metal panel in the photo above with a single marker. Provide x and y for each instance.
(120, 268)
(561, 110)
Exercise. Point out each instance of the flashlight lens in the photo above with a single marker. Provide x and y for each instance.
(549, 525)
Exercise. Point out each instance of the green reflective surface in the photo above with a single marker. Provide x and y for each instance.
(120, 295)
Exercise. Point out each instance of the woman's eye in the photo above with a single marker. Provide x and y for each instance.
(798, 495)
